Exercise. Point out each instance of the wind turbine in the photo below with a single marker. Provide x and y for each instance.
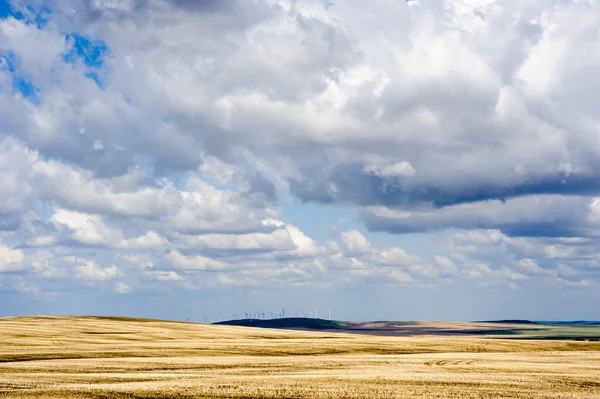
(329, 314)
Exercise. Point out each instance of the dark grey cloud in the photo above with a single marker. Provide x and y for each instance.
(258, 184)
(355, 187)
(205, 5)
(527, 216)
(93, 11)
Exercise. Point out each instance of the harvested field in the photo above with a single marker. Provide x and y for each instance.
(92, 357)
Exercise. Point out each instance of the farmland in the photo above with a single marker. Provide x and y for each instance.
(96, 357)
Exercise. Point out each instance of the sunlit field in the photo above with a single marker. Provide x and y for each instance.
(86, 357)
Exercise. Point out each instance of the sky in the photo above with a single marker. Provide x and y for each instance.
(382, 160)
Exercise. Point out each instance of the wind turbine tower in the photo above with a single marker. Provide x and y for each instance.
(329, 314)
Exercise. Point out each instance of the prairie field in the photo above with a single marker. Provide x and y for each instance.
(101, 357)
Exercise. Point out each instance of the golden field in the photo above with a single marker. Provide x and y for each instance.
(91, 357)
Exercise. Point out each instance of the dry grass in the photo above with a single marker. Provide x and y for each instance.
(77, 357)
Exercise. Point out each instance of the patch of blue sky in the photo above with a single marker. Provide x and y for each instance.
(178, 179)
(5, 9)
(27, 89)
(144, 164)
(426, 245)
(40, 16)
(12, 241)
(28, 13)
(96, 78)
(91, 53)
(44, 210)
(20, 82)
(325, 222)
(320, 222)
(31, 15)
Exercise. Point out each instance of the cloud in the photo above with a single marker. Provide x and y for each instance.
(87, 229)
(495, 258)
(447, 266)
(205, 5)
(539, 215)
(355, 242)
(122, 288)
(90, 271)
(146, 241)
(31, 179)
(10, 259)
(361, 262)
(194, 262)
(90, 230)
(167, 137)
(280, 239)
(397, 169)
(348, 111)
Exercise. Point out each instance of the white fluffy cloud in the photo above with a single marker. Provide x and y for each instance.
(91, 271)
(493, 257)
(10, 259)
(355, 242)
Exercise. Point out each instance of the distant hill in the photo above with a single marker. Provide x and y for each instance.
(574, 323)
(546, 322)
(507, 329)
(565, 323)
(290, 322)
